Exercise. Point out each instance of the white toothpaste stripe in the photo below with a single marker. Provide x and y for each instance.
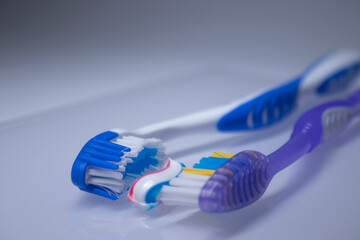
(144, 184)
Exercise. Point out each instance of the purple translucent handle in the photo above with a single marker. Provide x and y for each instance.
(236, 184)
(307, 134)
(244, 178)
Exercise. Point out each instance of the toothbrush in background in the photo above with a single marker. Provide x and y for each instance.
(110, 162)
(241, 179)
(328, 75)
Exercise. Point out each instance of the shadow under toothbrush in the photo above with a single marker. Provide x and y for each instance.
(91, 201)
(229, 224)
(224, 225)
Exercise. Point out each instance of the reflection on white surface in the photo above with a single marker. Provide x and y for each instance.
(70, 70)
(100, 221)
(304, 201)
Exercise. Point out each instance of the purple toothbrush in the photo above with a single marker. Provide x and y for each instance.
(242, 179)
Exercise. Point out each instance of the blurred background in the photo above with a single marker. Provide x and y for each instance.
(72, 69)
(54, 53)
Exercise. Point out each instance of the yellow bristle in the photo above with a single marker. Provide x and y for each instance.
(222, 155)
(205, 172)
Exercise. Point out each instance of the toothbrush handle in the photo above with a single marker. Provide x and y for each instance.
(328, 75)
(312, 128)
(243, 178)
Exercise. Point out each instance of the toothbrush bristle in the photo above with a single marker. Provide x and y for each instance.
(239, 182)
(176, 185)
(184, 190)
(139, 156)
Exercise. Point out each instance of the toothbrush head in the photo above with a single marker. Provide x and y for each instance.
(236, 184)
(145, 190)
(109, 163)
(240, 181)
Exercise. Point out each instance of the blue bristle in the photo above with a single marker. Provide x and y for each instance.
(102, 152)
(145, 158)
(211, 163)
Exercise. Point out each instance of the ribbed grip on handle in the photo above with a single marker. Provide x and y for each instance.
(239, 182)
(262, 111)
(330, 74)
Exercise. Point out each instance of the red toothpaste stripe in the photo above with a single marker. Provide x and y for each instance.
(131, 192)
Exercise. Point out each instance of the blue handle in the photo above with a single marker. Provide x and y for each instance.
(275, 104)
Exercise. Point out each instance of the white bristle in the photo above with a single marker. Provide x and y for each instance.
(186, 191)
(113, 185)
(123, 162)
(134, 153)
(138, 143)
(190, 202)
(194, 177)
(183, 190)
(113, 181)
(177, 182)
(99, 172)
(105, 181)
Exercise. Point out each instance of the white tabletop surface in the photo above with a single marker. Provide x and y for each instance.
(71, 71)
(317, 197)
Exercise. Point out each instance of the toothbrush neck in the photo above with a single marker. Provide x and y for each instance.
(307, 134)
(292, 150)
(190, 124)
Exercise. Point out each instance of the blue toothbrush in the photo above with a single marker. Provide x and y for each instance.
(109, 163)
